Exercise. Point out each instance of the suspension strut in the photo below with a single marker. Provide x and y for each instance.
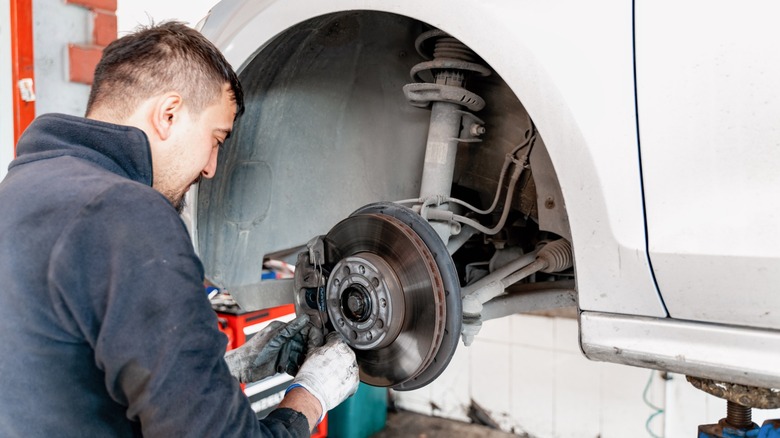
(449, 64)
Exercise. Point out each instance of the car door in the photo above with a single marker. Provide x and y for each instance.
(708, 101)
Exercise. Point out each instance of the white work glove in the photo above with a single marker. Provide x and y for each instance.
(329, 373)
(277, 348)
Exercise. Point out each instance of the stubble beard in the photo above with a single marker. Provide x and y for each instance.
(176, 196)
(179, 203)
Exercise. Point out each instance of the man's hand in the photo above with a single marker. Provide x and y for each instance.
(277, 348)
(330, 373)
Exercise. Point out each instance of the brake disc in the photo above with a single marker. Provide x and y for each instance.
(393, 294)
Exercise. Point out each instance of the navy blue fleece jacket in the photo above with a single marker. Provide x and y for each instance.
(106, 329)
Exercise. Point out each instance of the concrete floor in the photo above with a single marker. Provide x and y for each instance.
(409, 424)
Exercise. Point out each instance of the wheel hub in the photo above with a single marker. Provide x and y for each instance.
(365, 301)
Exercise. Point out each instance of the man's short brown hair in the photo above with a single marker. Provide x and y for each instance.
(158, 59)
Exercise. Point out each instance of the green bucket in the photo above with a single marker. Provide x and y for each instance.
(360, 416)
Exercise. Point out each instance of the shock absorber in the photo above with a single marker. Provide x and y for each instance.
(450, 64)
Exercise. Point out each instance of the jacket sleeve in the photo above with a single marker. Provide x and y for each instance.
(131, 285)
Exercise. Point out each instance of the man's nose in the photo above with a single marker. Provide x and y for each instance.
(211, 166)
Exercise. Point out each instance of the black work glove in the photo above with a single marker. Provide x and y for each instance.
(277, 348)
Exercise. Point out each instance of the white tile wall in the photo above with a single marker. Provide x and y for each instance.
(451, 392)
(577, 401)
(529, 373)
(566, 335)
(495, 330)
(622, 414)
(419, 400)
(686, 408)
(490, 385)
(533, 388)
(532, 331)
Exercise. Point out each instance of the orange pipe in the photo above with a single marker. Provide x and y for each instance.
(22, 63)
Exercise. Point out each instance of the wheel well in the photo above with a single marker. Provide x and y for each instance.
(327, 129)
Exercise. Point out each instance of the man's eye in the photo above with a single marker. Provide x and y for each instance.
(220, 145)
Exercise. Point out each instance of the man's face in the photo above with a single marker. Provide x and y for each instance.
(193, 148)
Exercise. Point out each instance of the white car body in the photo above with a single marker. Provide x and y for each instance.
(662, 123)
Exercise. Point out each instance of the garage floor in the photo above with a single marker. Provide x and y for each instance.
(409, 424)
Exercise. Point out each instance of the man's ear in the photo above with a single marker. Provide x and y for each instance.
(165, 112)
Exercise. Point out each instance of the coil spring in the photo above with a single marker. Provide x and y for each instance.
(448, 56)
(449, 47)
(450, 63)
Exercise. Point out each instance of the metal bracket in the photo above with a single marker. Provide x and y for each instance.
(471, 127)
(264, 295)
(309, 282)
(523, 299)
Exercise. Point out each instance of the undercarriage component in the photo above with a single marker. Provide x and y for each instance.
(384, 280)
(552, 257)
(531, 297)
(450, 64)
(361, 289)
(748, 396)
(488, 292)
(741, 400)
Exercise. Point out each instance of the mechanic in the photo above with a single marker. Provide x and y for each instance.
(106, 327)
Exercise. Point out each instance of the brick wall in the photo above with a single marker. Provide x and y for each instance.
(82, 58)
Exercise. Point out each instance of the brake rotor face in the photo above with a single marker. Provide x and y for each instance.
(387, 296)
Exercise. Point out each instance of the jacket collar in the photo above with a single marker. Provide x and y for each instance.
(123, 150)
